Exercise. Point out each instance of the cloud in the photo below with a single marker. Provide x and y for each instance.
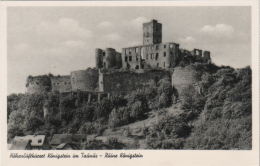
(21, 46)
(55, 51)
(105, 24)
(65, 28)
(220, 30)
(187, 40)
(75, 44)
(19, 49)
(113, 37)
(136, 23)
(135, 43)
(139, 21)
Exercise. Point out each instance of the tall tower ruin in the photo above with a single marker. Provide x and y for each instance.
(152, 33)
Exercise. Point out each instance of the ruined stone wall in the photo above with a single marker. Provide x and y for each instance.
(108, 58)
(61, 83)
(99, 58)
(38, 84)
(197, 52)
(164, 55)
(100, 82)
(194, 56)
(131, 57)
(129, 81)
(85, 80)
(206, 57)
(184, 76)
(118, 59)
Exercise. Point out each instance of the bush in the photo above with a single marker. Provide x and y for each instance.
(94, 144)
(87, 128)
(102, 109)
(134, 145)
(114, 143)
(119, 117)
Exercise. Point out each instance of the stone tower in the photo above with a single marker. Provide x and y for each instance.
(152, 33)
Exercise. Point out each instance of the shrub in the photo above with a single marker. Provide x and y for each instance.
(94, 144)
(114, 143)
(119, 117)
(134, 145)
(87, 128)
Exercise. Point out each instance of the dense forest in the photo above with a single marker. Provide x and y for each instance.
(219, 116)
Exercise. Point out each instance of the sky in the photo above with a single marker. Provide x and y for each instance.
(58, 40)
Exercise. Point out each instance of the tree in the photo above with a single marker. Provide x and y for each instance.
(114, 143)
(94, 145)
(33, 124)
(16, 124)
(87, 128)
(192, 102)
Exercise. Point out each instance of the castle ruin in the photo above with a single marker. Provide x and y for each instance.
(153, 52)
(164, 57)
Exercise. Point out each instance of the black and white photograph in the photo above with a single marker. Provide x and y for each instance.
(170, 78)
(129, 78)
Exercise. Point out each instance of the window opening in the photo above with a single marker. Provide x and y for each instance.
(157, 55)
(130, 58)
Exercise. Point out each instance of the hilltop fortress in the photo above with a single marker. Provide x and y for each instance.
(163, 58)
